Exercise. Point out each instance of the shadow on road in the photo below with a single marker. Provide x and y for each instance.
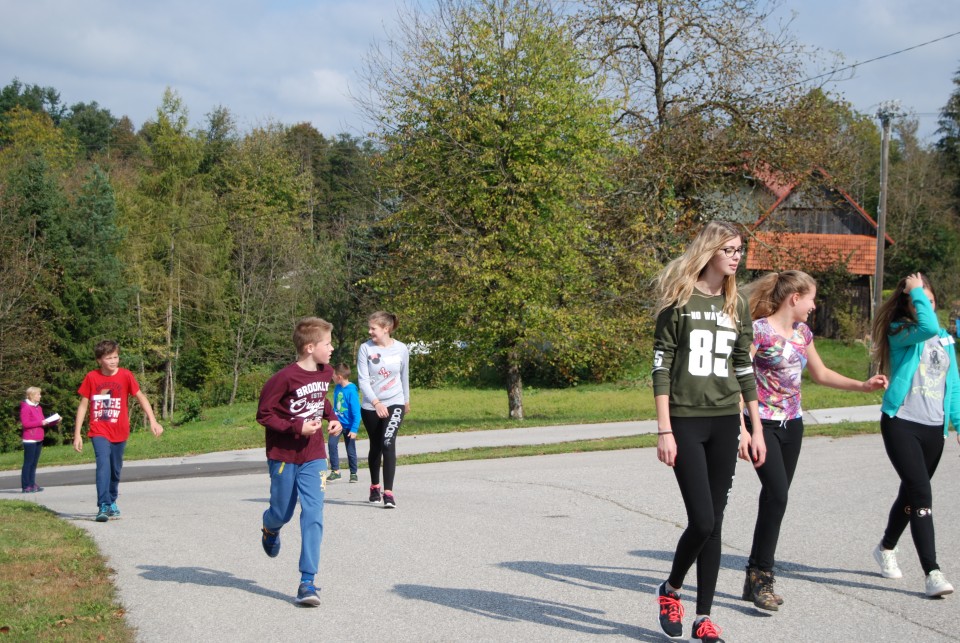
(208, 578)
(510, 607)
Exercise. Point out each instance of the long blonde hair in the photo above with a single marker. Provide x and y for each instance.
(896, 309)
(767, 293)
(674, 285)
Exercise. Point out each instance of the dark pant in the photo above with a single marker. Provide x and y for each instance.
(31, 456)
(333, 451)
(383, 443)
(783, 451)
(705, 466)
(109, 463)
(914, 450)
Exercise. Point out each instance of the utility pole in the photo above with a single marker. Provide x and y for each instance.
(887, 111)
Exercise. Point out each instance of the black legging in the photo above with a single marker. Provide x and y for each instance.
(383, 443)
(914, 450)
(705, 465)
(783, 450)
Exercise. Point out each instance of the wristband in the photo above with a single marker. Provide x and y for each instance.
(665, 433)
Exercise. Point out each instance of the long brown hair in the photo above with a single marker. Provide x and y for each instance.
(767, 293)
(897, 309)
(674, 285)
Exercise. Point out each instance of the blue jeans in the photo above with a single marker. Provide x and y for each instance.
(31, 456)
(333, 451)
(308, 481)
(109, 463)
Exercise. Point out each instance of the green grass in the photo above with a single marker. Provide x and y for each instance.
(456, 409)
(54, 584)
(842, 429)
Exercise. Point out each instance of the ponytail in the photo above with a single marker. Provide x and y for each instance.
(768, 293)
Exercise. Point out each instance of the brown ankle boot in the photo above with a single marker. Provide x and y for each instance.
(758, 588)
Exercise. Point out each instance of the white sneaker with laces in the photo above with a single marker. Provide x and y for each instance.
(937, 585)
(887, 559)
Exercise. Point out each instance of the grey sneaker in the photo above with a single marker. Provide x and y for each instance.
(937, 585)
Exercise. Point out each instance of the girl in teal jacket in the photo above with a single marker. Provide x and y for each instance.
(923, 399)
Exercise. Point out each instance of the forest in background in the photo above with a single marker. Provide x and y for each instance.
(529, 172)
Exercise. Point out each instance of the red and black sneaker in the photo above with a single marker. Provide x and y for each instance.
(705, 630)
(671, 612)
(375, 493)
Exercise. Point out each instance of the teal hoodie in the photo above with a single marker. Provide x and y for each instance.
(905, 349)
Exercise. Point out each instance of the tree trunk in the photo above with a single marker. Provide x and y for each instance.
(236, 383)
(515, 391)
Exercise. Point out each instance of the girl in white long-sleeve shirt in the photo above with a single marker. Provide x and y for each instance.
(382, 375)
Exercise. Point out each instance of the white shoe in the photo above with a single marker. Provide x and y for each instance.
(937, 585)
(887, 559)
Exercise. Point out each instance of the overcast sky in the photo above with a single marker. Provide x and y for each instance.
(297, 60)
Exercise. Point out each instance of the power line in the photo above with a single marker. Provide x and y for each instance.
(860, 64)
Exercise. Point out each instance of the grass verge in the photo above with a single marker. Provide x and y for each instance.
(54, 584)
(839, 430)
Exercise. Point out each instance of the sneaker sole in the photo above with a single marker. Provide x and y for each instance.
(389, 506)
(103, 518)
(941, 592)
(312, 601)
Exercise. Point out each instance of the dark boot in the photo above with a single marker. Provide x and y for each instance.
(758, 588)
(776, 596)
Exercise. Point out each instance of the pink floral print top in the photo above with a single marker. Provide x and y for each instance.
(778, 364)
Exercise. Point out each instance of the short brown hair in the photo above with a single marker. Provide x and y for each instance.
(342, 370)
(105, 347)
(310, 330)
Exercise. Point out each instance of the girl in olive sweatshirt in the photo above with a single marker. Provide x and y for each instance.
(701, 368)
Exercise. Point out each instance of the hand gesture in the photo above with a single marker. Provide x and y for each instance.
(334, 427)
(875, 383)
(310, 427)
(913, 281)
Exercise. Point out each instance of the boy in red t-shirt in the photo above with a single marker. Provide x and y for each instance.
(108, 389)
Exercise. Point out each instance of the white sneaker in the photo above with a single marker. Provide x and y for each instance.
(887, 559)
(937, 585)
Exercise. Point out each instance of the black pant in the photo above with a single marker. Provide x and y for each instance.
(914, 450)
(383, 443)
(783, 451)
(705, 466)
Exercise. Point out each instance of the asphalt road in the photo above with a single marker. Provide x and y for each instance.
(549, 548)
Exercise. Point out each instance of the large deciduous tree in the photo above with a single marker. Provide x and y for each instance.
(706, 88)
(495, 143)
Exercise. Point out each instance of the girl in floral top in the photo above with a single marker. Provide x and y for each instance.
(780, 303)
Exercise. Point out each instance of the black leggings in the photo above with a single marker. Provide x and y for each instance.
(783, 451)
(705, 465)
(914, 450)
(383, 443)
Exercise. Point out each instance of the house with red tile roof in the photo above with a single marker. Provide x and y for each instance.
(811, 224)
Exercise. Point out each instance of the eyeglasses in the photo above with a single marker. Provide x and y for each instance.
(729, 251)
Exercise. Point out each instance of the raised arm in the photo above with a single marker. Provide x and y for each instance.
(824, 376)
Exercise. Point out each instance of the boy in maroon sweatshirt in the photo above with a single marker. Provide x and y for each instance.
(292, 404)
